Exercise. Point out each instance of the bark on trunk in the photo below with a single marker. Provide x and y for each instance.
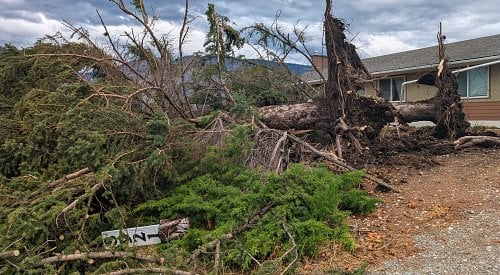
(418, 111)
(311, 116)
(298, 116)
(470, 141)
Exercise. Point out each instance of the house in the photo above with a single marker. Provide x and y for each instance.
(476, 63)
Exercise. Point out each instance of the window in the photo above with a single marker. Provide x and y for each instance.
(473, 83)
(391, 88)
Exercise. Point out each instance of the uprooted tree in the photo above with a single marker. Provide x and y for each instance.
(344, 114)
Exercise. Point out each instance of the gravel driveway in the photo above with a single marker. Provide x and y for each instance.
(469, 241)
(446, 220)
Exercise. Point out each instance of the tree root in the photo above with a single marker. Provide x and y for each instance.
(471, 141)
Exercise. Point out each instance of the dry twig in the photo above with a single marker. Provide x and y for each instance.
(149, 270)
(250, 224)
(293, 248)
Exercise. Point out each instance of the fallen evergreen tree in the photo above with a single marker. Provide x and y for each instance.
(92, 143)
(73, 167)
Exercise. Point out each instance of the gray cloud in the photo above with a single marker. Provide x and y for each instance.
(376, 26)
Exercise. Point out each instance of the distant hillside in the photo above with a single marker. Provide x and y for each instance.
(297, 69)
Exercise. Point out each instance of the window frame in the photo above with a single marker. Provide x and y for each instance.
(403, 93)
(468, 84)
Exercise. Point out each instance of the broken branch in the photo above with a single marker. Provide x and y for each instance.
(72, 205)
(160, 270)
(250, 224)
(343, 165)
(470, 141)
(98, 255)
(69, 177)
(217, 257)
(9, 254)
(293, 248)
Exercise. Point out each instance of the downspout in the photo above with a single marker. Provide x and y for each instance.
(403, 90)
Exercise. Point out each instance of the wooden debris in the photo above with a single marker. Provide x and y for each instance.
(98, 255)
(173, 229)
(160, 270)
(70, 177)
(9, 254)
(471, 141)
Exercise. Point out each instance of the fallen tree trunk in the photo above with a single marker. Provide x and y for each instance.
(313, 116)
(417, 111)
(298, 116)
(368, 113)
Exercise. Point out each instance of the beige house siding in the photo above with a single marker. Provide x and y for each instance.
(416, 92)
(370, 89)
(487, 108)
(495, 82)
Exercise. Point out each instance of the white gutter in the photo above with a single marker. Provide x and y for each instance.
(456, 62)
(476, 66)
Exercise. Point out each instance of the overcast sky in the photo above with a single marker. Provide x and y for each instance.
(377, 27)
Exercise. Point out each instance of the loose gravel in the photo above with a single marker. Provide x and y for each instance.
(471, 247)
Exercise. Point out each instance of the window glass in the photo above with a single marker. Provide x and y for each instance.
(385, 88)
(396, 88)
(462, 84)
(478, 82)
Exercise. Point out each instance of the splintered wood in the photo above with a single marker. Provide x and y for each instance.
(173, 229)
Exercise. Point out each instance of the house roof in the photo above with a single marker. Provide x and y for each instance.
(468, 51)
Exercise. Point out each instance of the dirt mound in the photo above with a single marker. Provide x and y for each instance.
(414, 147)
